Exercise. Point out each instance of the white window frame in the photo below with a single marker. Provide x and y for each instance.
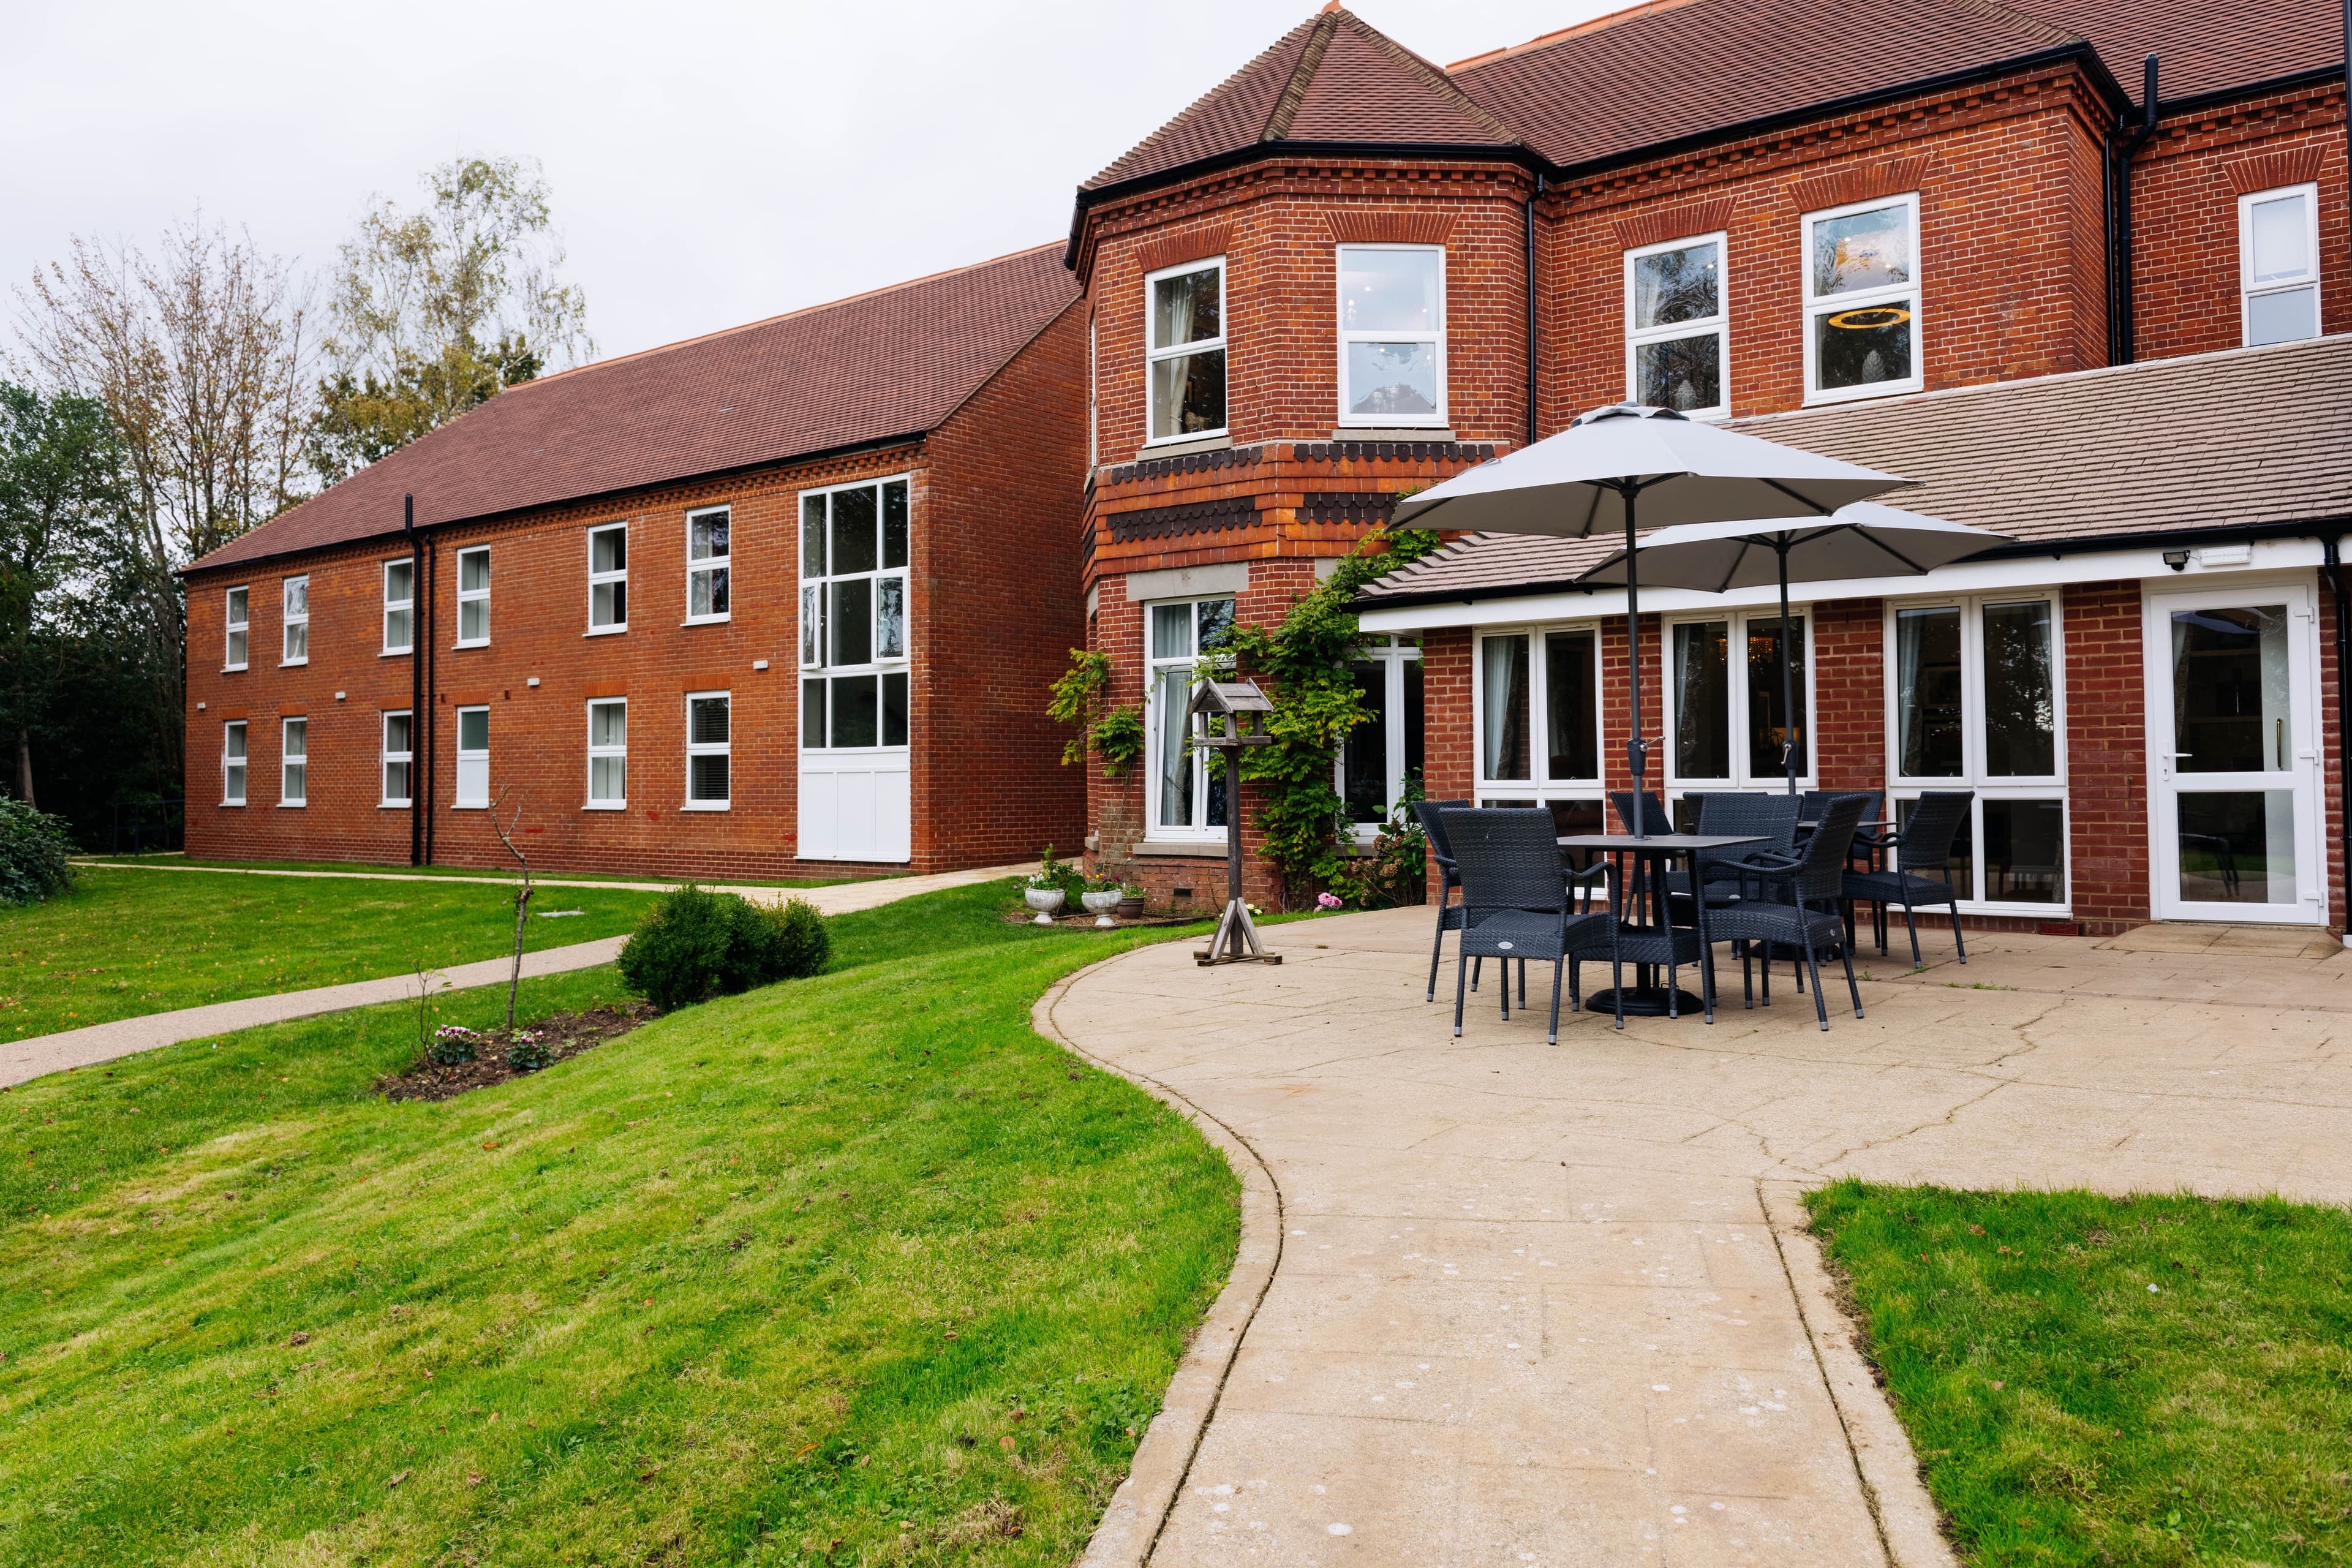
(900, 664)
(1972, 774)
(474, 763)
(386, 757)
(291, 757)
(597, 752)
(1914, 293)
(1392, 654)
(1742, 624)
(480, 595)
(1539, 788)
(236, 628)
(598, 579)
(720, 565)
(2248, 290)
(237, 762)
(1199, 830)
(1435, 336)
(1719, 324)
(288, 590)
(709, 749)
(1152, 356)
(393, 606)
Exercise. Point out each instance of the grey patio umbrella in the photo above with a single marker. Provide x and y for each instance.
(1863, 540)
(1592, 477)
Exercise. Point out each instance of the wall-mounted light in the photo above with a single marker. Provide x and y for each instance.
(2177, 559)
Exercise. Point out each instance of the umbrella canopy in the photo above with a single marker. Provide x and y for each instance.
(1863, 540)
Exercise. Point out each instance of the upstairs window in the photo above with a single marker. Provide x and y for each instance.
(706, 564)
(398, 753)
(854, 650)
(2278, 266)
(1862, 300)
(294, 762)
(1185, 359)
(239, 619)
(474, 597)
(1677, 334)
(608, 578)
(233, 763)
(1391, 334)
(399, 606)
(297, 621)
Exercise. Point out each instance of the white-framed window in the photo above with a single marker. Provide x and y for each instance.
(855, 657)
(1678, 326)
(608, 578)
(233, 763)
(293, 762)
(1536, 722)
(2278, 264)
(1724, 728)
(473, 759)
(608, 754)
(1185, 353)
(1861, 299)
(473, 597)
(1188, 793)
(296, 648)
(400, 606)
(1391, 334)
(1379, 756)
(706, 534)
(706, 751)
(399, 756)
(237, 616)
(1976, 700)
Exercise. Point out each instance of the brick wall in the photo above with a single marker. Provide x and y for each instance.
(2106, 754)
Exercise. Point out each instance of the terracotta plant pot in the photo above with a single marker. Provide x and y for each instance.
(1130, 907)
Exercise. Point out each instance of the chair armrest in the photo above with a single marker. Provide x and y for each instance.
(1599, 869)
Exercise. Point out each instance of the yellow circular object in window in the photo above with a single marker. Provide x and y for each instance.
(1870, 317)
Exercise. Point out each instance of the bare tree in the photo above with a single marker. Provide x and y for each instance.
(521, 897)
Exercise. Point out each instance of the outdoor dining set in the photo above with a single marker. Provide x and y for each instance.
(1774, 874)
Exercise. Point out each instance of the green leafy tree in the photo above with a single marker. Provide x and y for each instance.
(436, 312)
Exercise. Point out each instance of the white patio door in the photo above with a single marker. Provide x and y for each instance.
(2232, 727)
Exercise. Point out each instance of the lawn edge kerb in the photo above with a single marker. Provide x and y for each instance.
(1139, 1509)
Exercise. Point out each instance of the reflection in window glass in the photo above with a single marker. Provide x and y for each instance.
(2025, 851)
(1188, 787)
(1861, 346)
(1398, 379)
(1768, 729)
(1504, 702)
(1392, 324)
(1702, 701)
(1573, 723)
(1364, 763)
(1681, 373)
(1675, 306)
(1927, 691)
(1675, 286)
(1963, 862)
(2230, 690)
(1187, 383)
(2237, 847)
(2021, 704)
(856, 711)
(1862, 250)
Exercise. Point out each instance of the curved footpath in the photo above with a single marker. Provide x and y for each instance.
(23, 1060)
(1503, 1302)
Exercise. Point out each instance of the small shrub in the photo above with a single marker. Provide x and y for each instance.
(453, 1045)
(34, 846)
(695, 943)
(528, 1053)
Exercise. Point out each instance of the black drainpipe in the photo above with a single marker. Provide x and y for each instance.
(2343, 707)
(415, 685)
(422, 616)
(2121, 149)
(1533, 196)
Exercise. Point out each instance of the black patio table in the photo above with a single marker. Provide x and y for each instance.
(1649, 909)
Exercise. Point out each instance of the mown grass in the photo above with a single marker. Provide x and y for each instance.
(2097, 1380)
(495, 869)
(124, 943)
(855, 1269)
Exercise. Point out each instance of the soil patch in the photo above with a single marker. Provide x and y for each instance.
(562, 1036)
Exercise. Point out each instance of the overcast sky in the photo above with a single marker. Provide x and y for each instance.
(711, 163)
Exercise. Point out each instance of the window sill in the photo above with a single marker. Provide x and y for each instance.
(397, 653)
(478, 642)
(1181, 446)
(606, 806)
(1192, 848)
(292, 805)
(706, 806)
(1865, 393)
(290, 663)
(1393, 433)
(232, 804)
(605, 631)
(394, 805)
(469, 805)
(706, 620)
(233, 670)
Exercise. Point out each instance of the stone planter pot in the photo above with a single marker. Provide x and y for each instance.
(1044, 900)
(1101, 904)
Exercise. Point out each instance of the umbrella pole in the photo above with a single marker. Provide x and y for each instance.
(1637, 750)
(1788, 708)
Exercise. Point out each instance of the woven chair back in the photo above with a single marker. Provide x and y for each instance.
(1821, 873)
(1509, 857)
(1927, 833)
(1769, 816)
(1432, 823)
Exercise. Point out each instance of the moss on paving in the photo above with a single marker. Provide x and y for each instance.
(2093, 1379)
(855, 1269)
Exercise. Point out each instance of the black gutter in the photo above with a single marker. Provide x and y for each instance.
(2122, 149)
(2320, 75)
(2334, 565)
(1534, 197)
(415, 681)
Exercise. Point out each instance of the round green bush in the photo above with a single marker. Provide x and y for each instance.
(695, 943)
(34, 846)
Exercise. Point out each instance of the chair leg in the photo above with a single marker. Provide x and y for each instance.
(1436, 952)
(1747, 974)
(1617, 982)
(1821, 1009)
(1674, 987)
(1523, 984)
(1461, 976)
(1846, 953)
(1505, 965)
(1575, 985)
(1555, 965)
(1913, 927)
(1957, 945)
(1476, 964)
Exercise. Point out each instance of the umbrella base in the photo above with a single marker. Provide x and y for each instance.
(1646, 1002)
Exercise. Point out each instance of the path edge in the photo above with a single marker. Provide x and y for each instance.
(1909, 1525)
(1139, 1508)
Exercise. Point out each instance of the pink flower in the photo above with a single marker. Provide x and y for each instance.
(1327, 901)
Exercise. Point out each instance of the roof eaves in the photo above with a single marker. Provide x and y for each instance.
(2317, 75)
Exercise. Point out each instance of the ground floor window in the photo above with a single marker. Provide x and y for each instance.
(399, 753)
(233, 763)
(473, 758)
(294, 762)
(1382, 756)
(1723, 716)
(706, 719)
(1188, 795)
(1536, 717)
(608, 754)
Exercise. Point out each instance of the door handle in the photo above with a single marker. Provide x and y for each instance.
(2282, 742)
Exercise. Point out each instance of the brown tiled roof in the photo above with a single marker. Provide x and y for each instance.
(2204, 48)
(1331, 78)
(892, 363)
(2202, 442)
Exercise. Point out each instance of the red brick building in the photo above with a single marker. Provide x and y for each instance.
(1347, 272)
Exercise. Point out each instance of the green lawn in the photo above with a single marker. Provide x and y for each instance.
(128, 942)
(350, 868)
(856, 1260)
(2094, 1380)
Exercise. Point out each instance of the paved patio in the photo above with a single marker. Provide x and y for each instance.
(1537, 1305)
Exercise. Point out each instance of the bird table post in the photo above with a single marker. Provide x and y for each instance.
(1243, 708)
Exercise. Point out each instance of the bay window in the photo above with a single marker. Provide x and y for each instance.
(608, 754)
(707, 564)
(1184, 355)
(2278, 264)
(1725, 725)
(1677, 331)
(1391, 334)
(1862, 300)
(473, 759)
(474, 597)
(1975, 703)
(1537, 718)
(854, 656)
(1188, 793)
(1382, 756)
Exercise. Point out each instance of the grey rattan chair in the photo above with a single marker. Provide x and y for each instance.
(1923, 844)
(1804, 915)
(1651, 808)
(1516, 904)
(1441, 850)
(1773, 817)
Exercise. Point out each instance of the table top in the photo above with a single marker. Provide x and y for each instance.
(1866, 822)
(1676, 842)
